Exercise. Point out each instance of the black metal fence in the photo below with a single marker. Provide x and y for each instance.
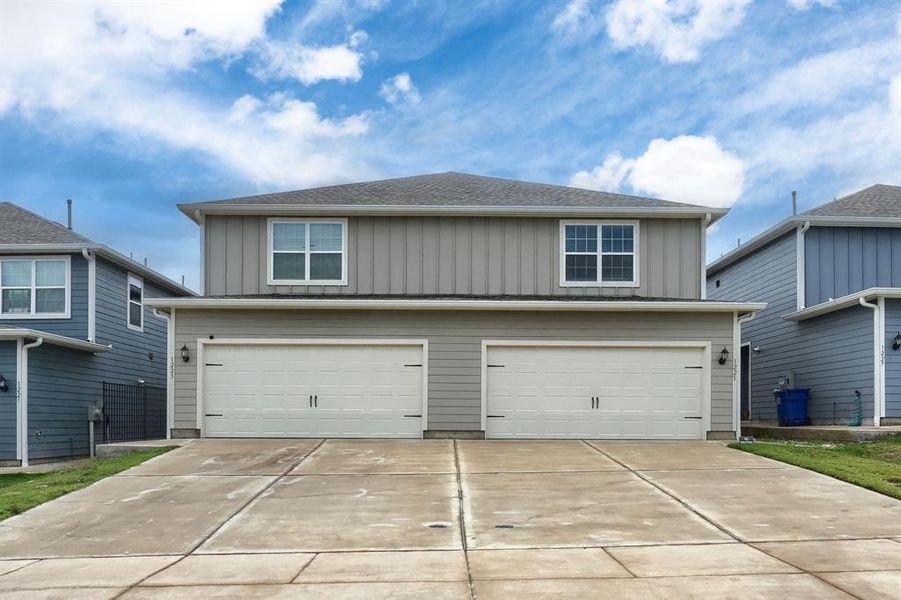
(133, 412)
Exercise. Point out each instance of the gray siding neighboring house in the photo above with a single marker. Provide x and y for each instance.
(817, 334)
(463, 267)
(77, 353)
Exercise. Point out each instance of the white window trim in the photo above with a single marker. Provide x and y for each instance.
(270, 279)
(63, 315)
(636, 279)
(128, 302)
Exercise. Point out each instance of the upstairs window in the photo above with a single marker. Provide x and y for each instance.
(33, 288)
(307, 252)
(135, 303)
(598, 253)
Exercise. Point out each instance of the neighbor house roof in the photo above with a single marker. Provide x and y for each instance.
(22, 232)
(445, 193)
(15, 333)
(878, 205)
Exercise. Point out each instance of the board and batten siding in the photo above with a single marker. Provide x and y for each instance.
(892, 359)
(452, 255)
(455, 338)
(8, 366)
(76, 326)
(831, 354)
(842, 260)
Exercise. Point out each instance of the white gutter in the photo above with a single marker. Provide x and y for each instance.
(13, 333)
(454, 304)
(170, 368)
(736, 370)
(843, 302)
(196, 211)
(92, 293)
(704, 225)
(23, 399)
(800, 272)
(201, 222)
(878, 361)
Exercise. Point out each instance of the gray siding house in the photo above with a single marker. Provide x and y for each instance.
(452, 305)
(73, 315)
(831, 278)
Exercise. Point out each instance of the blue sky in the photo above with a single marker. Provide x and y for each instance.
(130, 108)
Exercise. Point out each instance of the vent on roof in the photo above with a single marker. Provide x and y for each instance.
(69, 211)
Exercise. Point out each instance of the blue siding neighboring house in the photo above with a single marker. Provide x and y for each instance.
(64, 330)
(815, 270)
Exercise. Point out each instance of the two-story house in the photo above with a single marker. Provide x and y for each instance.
(453, 305)
(831, 278)
(73, 315)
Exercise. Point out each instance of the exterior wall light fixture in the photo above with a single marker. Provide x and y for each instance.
(724, 356)
(185, 353)
(897, 343)
(3, 385)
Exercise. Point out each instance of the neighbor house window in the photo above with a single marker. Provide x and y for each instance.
(135, 302)
(598, 253)
(32, 288)
(307, 251)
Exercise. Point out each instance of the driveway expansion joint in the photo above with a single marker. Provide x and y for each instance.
(461, 515)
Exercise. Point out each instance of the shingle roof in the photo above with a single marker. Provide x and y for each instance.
(450, 189)
(20, 226)
(876, 201)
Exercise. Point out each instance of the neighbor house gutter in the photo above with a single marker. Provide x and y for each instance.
(23, 398)
(91, 259)
(800, 267)
(878, 357)
(170, 367)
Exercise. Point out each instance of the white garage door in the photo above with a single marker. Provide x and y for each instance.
(312, 391)
(595, 392)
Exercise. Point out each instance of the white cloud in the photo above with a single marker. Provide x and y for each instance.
(399, 90)
(676, 29)
(576, 20)
(687, 168)
(107, 66)
(308, 64)
(894, 95)
(807, 4)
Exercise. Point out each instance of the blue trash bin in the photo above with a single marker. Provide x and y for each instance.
(791, 406)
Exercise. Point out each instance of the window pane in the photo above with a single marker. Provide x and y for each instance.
(325, 237)
(134, 293)
(134, 314)
(16, 301)
(325, 266)
(50, 272)
(617, 268)
(288, 266)
(617, 238)
(50, 300)
(581, 238)
(582, 267)
(16, 273)
(288, 236)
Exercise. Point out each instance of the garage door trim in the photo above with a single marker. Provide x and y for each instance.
(704, 346)
(203, 342)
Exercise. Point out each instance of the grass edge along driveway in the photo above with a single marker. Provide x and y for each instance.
(874, 465)
(22, 491)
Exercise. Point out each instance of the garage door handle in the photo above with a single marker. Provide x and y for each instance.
(212, 415)
(316, 401)
(495, 416)
(697, 418)
(412, 416)
(311, 400)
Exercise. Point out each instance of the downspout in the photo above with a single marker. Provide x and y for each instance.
(802, 291)
(170, 368)
(736, 369)
(92, 293)
(704, 224)
(24, 397)
(201, 221)
(878, 360)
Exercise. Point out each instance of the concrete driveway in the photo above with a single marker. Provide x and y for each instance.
(456, 520)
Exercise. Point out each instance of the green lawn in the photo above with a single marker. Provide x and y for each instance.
(21, 491)
(874, 465)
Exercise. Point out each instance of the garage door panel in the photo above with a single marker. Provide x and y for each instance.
(546, 391)
(360, 391)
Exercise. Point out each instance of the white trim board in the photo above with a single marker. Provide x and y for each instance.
(703, 345)
(635, 254)
(203, 342)
(270, 263)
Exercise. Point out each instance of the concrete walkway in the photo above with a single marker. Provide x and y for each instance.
(456, 520)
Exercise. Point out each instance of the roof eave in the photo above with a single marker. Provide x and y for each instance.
(843, 302)
(450, 304)
(53, 339)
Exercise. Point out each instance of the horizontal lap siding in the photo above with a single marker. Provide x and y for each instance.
(831, 354)
(77, 325)
(8, 401)
(892, 359)
(452, 255)
(843, 260)
(455, 339)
